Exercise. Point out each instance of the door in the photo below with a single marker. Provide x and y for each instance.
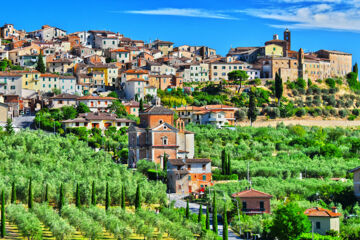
(190, 190)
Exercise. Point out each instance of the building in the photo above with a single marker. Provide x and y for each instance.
(97, 103)
(62, 100)
(156, 136)
(48, 82)
(110, 72)
(97, 120)
(189, 175)
(10, 83)
(253, 201)
(161, 82)
(340, 62)
(219, 70)
(135, 88)
(60, 65)
(323, 220)
(4, 111)
(67, 84)
(219, 115)
(164, 46)
(47, 33)
(356, 172)
(198, 72)
(120, 55)
(133, 107)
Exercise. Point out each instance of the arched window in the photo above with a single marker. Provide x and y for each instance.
(164, 140)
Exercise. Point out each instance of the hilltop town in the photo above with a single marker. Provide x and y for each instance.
(139, 120)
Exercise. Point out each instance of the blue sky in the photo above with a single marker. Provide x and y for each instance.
(315, 24)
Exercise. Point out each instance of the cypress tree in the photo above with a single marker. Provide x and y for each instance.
(207, 218)
(165, 160)
(279, 88)
(215, 220)
(40, 64)
(30, 195)
(46, 197)
(77, 196)
(200, 214)
(141, 107)
(93, 194)
(13, 193)
(107, 197)
(228, 169)
(223, 161)
(3, 231)
(252, 114)
(137, 198)
(61, 202)
(355, 68)
(225, 225)
(187, 211)
(122, 197)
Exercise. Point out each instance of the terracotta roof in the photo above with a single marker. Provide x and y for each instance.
(321, 212)
(67, 77)
(158, 110)
(61, 60)
(64, 96)
(136, 80)
(96, 98)
(189, 108)
(136, 71)
(180, 162)
(251, 193)
(75, 120)
(9, 74)
(119, 50)
(49, 75)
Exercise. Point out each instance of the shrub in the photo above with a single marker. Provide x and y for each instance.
(325, 91)
(300, 83)
(291, 85)
(354, 84)
(295, 92)
(325, 112)
(219, 177)
(300, 112)
(330, 82)
(343, 113)
(301, 91)
(339, 81)
(349, 103)
(319, 81)
(333, 112)
(351, 117)
(316, 90)
(309, 91)
(333, 90)
(355, 112)
(240, 114)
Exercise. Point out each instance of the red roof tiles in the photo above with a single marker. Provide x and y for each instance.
(251, 193)
(321, 212)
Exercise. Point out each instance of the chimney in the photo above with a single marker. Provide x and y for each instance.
(275, 37)
(334, 209)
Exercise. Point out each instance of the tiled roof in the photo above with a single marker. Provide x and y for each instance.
(96, 98)
(136, 80)
(9, 74)
(181, 162)
(251, 193)
(64, 96)
(119, 50)
(321, 212)
(158, 110)
(136, 71)
(49, 75)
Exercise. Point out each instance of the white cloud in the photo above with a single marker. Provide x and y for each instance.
(314, 16)
(185, 12)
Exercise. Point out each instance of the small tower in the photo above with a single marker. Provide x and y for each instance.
(287, 38)
(180, 125)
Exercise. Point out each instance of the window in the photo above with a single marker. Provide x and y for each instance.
(215, 67)
(204, 166)
(165, 141)
(262, 208)
(204, 178)
(26, 83)
(244, 207)
(223, 67)
(189, 178)
(189, 167)
(12, 87)
(160, 121)
(318, 225)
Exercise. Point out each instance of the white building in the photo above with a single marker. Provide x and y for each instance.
(135, 87)
(48, 82)
(10, 83)
(68, 84)
(162, 69)
(97, 103)
(197, 73)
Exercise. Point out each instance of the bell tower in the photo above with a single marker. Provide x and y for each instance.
(287, 38)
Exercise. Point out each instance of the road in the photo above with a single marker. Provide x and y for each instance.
(22, 122)
(194, 207)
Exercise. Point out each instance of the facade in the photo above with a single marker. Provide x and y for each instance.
(219, 70)
(61, 66)
(356, 172)
(253, 201)
(120, 55)
(47, 33)
(48, 82)
(196, 73)
(97, 103)
(110, 72)
(67, 84)
(133, 107)
(63, 99)
(97, 120)
(10, 83)
(340, 62)
(189, 175)
(135, 87)
(162, 69)
(161, 82)
(164, 46)
(323, 220)
(3, 112)
(156, 136)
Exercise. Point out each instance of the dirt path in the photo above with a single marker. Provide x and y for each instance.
(304, 122)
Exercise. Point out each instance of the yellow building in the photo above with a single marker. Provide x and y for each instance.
(274, 50)
(30, 79)
(110, 72)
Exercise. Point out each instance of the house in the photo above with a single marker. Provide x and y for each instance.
(156, 136)
(253, 201)
(219, 115)
(48, 82)
(133, 107)
(4, 111)
(161, 69)
(134, 73)
(120, 55)
(60, 65)
(30, 78)
(96, 103)
(219, 70)
(356, 172)
(47, 33)
(67, 84)
(135, 87)
(110, 72)
(30, 60)
(161, 82)
(323, 220)
(10, 83)
(198, 72)
(189, 175)
(97, 120)
(62, 100)
(164, 46)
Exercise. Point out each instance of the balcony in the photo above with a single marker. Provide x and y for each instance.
(253, 210)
